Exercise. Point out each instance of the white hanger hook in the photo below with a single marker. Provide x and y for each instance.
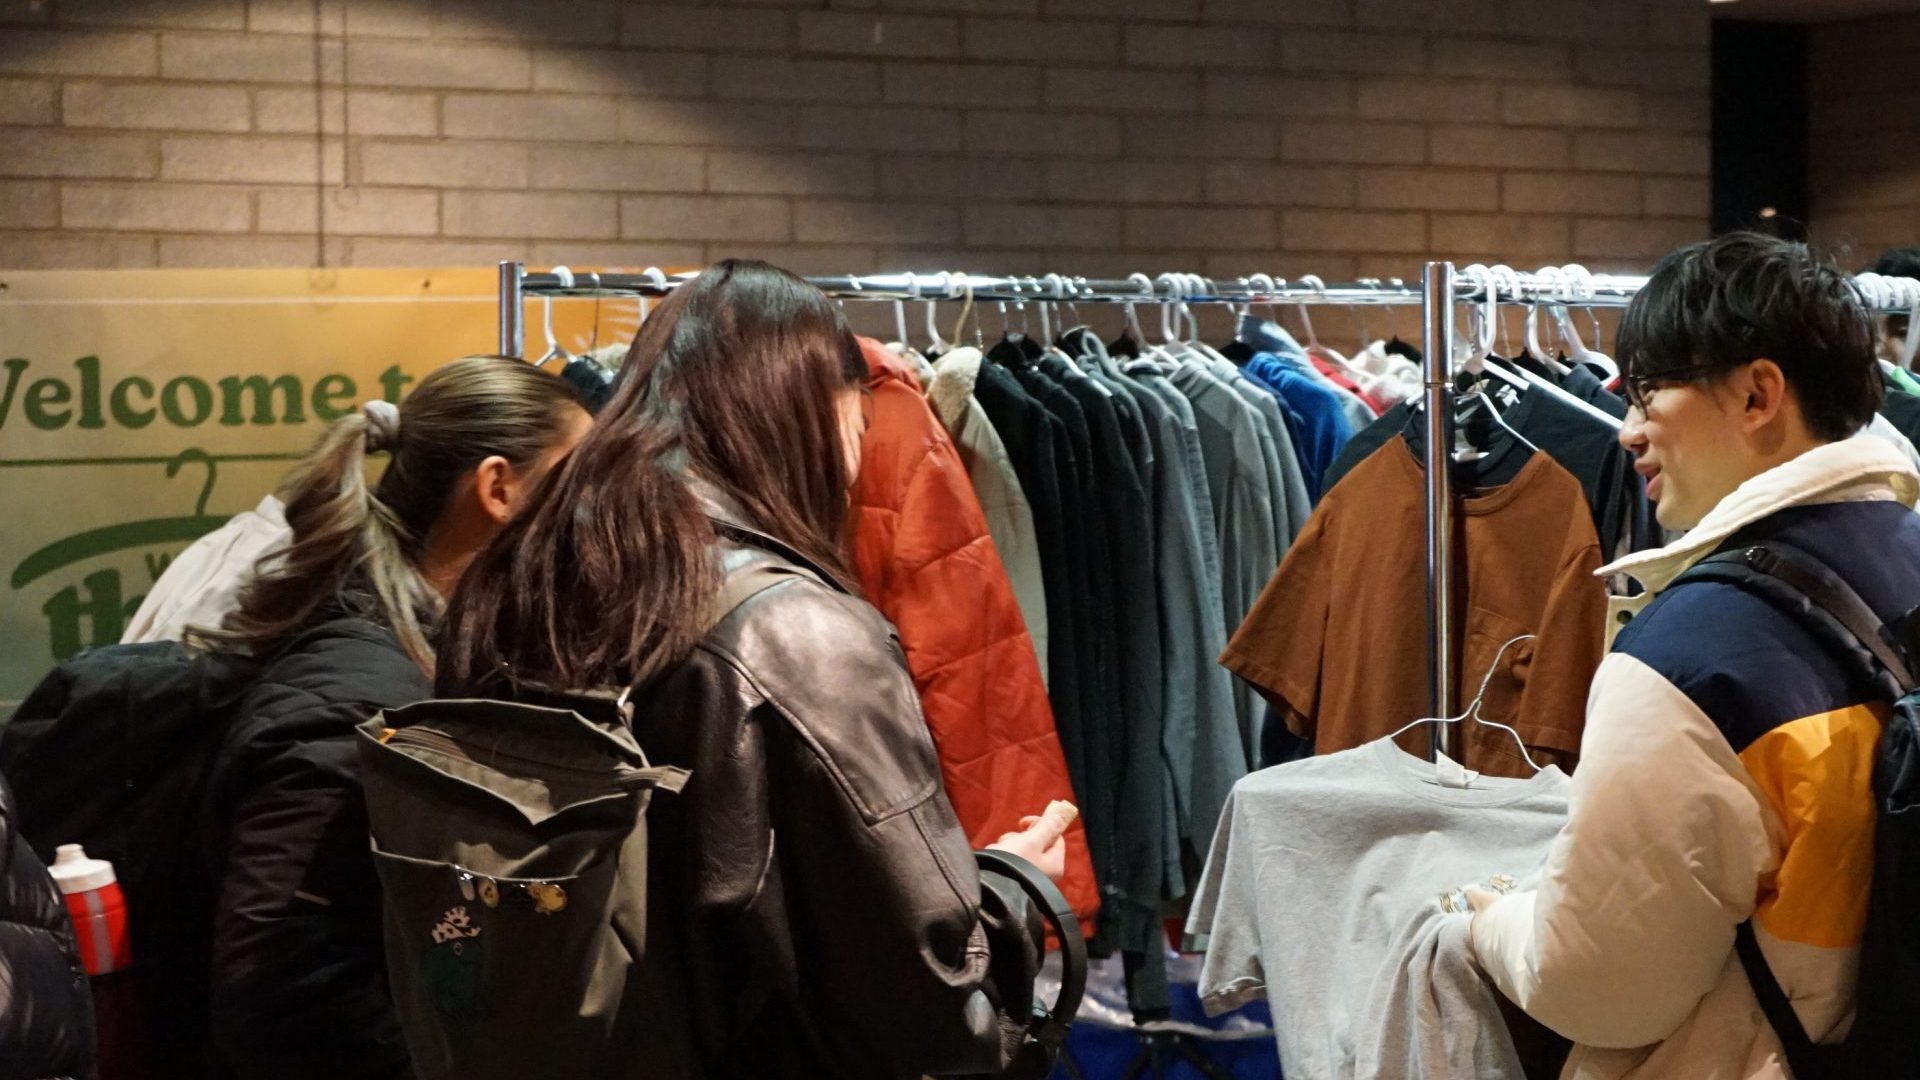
(1133, 315)
(935, 343)
(1174, 292)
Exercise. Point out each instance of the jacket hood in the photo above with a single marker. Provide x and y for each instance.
(1861, 469)
(884, 365)
(951, 389)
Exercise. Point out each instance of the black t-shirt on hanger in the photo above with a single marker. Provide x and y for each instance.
(1585, 447)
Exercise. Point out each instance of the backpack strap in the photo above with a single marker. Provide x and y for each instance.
(1813, 593)
(1799, 1049)
(1808, 589)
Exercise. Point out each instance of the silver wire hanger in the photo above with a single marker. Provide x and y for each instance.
(1473, 709)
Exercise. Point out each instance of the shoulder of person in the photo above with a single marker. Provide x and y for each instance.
(341, 668)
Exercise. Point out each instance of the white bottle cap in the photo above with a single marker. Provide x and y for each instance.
(75, 873)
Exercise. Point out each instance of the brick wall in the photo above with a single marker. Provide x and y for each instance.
(1865, 102)
(1096, 136)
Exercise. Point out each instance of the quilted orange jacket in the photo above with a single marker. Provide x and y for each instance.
(925, 559)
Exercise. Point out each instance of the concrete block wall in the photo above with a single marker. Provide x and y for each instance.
(1865, 116)
(1337, 137)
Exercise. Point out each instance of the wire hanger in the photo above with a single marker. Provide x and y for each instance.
(1473, 710)
(967, 308)
(935, 343)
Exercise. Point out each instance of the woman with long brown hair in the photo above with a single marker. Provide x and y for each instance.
(341, 622)
(861, 942)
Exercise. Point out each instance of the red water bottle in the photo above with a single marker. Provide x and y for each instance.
(98, 911)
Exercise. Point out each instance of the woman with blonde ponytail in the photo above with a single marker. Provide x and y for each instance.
(342, 621)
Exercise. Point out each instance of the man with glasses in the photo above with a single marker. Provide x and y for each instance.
(1725, 770)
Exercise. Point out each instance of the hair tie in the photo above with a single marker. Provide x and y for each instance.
(383, 426)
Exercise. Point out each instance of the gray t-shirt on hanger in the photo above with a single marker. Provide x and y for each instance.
(1329, 890)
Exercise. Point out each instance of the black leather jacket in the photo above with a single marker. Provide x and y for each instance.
(46, 1014)
(814, 908)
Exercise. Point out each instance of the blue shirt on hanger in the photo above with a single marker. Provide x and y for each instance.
(1322, 421)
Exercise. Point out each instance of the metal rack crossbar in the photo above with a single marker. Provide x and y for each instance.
(1443, 287)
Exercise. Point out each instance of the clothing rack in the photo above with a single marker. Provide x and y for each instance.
(517, 283)
(1443, 287)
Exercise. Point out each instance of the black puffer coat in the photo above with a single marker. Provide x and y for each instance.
(46, 1013)
(299, 971)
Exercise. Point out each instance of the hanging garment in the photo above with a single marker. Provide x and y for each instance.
(1324, 426)
(1286, 479)
(995, 482)
(1339, 377)
(1582, 383)
(925, 559)
(1030, 434)
(1095, 631)
(1295, 481)
(1168, 767)
(1230, 430)
(1585, 447)
(1324, 895)
(1200, 741)
(1145, 863)
(1338, 640)
(202, 585)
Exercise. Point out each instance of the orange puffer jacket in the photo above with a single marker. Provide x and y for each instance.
(924, 558)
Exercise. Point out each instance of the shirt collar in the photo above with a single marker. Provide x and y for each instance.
(1859, 469)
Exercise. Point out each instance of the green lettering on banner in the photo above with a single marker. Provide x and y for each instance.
(89, 367)
(16, 367)
(102, 608)
(202, 401)
(124, 413)
(262, 390)
(328, 394)
(42, 394)
(392, 382)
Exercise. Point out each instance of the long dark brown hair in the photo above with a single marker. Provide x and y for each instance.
(604, 578)
(358, 545)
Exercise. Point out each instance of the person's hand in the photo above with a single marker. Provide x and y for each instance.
(1042, 839)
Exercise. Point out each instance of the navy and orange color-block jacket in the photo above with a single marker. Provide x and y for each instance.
(1725, 774)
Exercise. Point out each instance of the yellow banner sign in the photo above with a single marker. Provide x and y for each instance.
(139, 409)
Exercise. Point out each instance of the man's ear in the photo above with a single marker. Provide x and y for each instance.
(1763, 390)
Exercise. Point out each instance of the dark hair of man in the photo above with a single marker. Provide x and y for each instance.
(1898, 262)
(604, 578)
(1744, 296)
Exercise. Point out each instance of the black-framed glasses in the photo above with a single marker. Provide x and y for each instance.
(1640, 386)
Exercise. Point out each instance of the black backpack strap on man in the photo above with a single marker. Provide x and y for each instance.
(1883, 1040)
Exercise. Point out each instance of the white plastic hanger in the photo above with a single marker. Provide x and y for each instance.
(1580, 287)
(554, 351)
(1473, 710)
(1477, 362)
(1545, 355)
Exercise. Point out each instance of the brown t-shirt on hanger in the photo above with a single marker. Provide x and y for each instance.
(1338, 639)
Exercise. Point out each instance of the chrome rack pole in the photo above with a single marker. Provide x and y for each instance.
(1439, 447)
(513, 340)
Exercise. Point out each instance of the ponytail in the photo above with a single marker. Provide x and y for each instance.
(358, 546)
